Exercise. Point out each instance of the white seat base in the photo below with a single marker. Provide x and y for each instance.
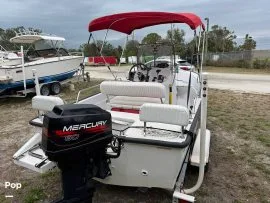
(159, 133)
(123, 116)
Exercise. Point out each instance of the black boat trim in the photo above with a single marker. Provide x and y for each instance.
(157, 142)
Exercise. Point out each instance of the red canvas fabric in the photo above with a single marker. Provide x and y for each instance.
(126, 110)
(100, 60)
(127, 22)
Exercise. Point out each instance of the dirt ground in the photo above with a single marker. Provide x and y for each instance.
(239, 169)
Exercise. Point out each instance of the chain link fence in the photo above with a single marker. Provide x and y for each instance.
(244, 59)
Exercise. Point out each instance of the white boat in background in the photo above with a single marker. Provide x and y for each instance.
(48, 58)
(8, 58)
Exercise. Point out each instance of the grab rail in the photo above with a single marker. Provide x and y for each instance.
(88, 88)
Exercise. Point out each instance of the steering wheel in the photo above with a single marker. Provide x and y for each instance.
(136, 72)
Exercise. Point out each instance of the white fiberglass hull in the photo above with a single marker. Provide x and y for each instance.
(10, 62)
(149, 166)
(44, 67)
(143, 165)
(50, 69)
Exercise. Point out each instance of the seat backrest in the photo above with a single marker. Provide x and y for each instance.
(164, 113)
(133, 89)
(46, 103)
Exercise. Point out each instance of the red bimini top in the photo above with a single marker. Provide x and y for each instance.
(127, 22)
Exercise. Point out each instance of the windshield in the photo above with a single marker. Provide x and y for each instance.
(183, 63)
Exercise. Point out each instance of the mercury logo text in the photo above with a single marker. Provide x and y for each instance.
(84, 126)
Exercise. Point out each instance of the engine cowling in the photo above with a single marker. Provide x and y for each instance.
(77, 137)
(75, 127)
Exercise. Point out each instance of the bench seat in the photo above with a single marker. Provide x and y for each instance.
(132, 95)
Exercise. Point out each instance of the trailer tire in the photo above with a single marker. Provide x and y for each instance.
(55, 88)
(45, 90)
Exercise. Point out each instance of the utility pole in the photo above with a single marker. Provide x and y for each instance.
(206, 40)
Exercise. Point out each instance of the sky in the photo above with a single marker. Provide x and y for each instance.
(70, 18)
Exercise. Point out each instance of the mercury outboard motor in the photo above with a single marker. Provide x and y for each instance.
(76, 137)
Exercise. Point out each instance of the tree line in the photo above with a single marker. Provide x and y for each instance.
(220, 39)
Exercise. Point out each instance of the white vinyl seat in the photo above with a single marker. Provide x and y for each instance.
(43, 103)
(131, 102)
(161, 117)
(131, 95)
(46, 103)
(164, 113)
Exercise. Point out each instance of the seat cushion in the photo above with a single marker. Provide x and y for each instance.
(131, 102)
(46, 103)
(164, 113)
(133, 89)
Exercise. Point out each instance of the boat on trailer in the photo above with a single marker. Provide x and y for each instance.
(51, 62)
(140, 132)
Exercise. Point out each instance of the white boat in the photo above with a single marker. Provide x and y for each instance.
(133, 133)
(51, 62)
(9, 58)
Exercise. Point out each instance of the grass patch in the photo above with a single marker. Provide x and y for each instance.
(244, 114)
(86, 89)
(265, 139)
(240, 145)
(34, 195)
(247, 117)
(202, 192)
(237, 201)
(50, 174)
(2, 198)
(262, 167)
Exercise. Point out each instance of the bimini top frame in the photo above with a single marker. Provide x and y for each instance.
(128, 22)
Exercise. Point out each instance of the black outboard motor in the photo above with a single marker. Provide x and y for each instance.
(77, 136)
